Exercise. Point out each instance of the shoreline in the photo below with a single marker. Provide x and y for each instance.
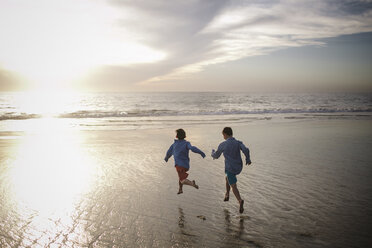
(162, 122)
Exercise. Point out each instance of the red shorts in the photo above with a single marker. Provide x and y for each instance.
(182, 172)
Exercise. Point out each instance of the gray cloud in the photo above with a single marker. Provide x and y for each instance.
(354, 7)
(171, 26)
(173, 21)
(196, 34)
(10, 81)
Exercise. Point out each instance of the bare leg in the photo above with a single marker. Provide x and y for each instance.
(188, 182)
(236, 192)
(227, 194)
(180, 188)
(237, 195)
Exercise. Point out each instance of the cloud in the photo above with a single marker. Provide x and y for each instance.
(139, 43)
(171, 26)
(354, 7)
(52, 43)
(9, 81)
(197, 34)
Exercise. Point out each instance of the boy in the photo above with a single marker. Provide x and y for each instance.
(233, 162)
(180, 151)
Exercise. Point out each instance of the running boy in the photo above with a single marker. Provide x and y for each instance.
(233, 162)
(180, 151)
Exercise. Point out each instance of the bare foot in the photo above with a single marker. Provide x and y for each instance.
(226, 197)
(179, 192)
(241, 208)
(194, 184)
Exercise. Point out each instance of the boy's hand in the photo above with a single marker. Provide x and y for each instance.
(213, 152)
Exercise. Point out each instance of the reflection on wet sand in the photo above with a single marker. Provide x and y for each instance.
(181, 219)
(231, 229)
(235, 232)
(42, 186)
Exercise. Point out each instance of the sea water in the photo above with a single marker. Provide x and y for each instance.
(120, 111)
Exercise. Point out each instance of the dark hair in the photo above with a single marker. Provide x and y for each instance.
(228, 131)
(181, 134)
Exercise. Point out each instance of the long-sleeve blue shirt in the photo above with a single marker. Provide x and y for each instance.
(180, 151)
(231, 151)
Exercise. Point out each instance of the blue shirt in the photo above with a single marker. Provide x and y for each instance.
(180, 151)
(231, 151)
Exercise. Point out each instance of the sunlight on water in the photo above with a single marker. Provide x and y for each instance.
(44, 103)
(50, 174)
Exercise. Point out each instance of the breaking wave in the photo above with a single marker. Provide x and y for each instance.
(18, 116)
(149, 113)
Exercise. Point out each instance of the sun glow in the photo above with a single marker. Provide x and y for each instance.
(51, 170)
(54, 44)
(45, 103)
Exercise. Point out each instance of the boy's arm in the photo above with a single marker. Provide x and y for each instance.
(169, 153)
(217, 154)
(245, 150)
(195, 149)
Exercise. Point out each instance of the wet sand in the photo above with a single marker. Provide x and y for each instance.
(309, 186)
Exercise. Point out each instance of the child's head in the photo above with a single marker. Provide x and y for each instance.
(181, 134)
(227, 132)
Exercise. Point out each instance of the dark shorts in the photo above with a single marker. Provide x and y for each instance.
(182, 172)
(231, 178)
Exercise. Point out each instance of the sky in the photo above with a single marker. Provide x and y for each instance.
(195, 45)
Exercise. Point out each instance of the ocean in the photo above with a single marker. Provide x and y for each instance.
(123, 111)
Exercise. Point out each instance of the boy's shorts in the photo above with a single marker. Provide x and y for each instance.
(182, 172)
(231, 178)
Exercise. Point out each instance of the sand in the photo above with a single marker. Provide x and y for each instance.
(309, 186)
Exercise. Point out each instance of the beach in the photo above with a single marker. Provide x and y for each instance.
(308, 186)
(92, 94)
